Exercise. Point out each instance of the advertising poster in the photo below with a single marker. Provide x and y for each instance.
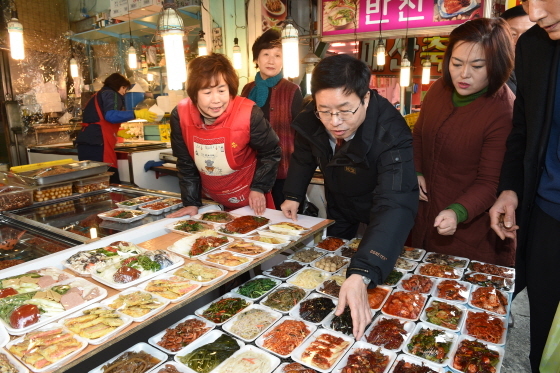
(349, 16)
(273, 12)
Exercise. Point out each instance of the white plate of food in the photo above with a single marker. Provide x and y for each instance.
(366, 354)
(248, 358)
(187, 330)
(32, 281)
(230, 301)
(244, 226)
(257, 287)
(285, 336)
(309, 278)
(168, 286)
(463, 354)
(136, 303)
(388, 332)
(248, 249)
(250, 323)
(323, 350)
(196, 244)
(151, 356)
(200, 273)
(431, 344)
(189, 226)
(289, 228)
(314, 309)
(123, 215)
(284, 298)
(272, 242)
(216, 217)
(445, 315)
(225, 260)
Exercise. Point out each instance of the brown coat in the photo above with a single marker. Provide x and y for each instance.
(460, 150)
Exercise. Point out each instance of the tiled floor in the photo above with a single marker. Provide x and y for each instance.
(516, 359)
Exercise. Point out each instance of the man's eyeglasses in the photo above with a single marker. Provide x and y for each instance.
(343, 114)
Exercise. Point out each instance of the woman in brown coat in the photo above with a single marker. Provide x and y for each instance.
(459, 144)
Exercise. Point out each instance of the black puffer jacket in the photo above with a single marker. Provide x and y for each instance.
(370, 180)
(263, 139)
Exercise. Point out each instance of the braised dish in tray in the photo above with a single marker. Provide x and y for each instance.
(244, 224)
(492, 269)
(475, 356)
(452, 290)
(485, 326)
(418, 283)
(430, 344)
(388, 333)
(330, 243)
(438, 270)
(484, 279)
(405, 304)
(366, 360)
(490, 299)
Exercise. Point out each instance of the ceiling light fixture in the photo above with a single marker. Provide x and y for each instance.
(426, 68)
(170, 27)
(15, 29)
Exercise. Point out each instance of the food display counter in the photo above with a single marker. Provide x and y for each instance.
(151, 236)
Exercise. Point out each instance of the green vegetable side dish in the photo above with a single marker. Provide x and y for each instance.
(429, 344)
(341, 17)
(129, 203)
(209, 356)
(393, 277)
(142, 261)
(189, 226)
(256, 288)
(444, 314)
(7, 305)
(285, 298)
(224, 309)
(217, 217)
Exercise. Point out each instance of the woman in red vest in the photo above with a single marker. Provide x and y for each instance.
(226, 150)
(279, 99)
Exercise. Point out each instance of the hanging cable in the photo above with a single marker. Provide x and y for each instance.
(380, 50)
(132, 59)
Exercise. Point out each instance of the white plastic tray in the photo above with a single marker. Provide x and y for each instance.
(389, 290)
(396, 283)
(255, 238)
(278, 282)
(57, 275)
(455, 275)
(155, 212)
(510, 281)
(489, 345)
(408, 265)
(164, 302)
(321, 275)
(363, 345)
(144, 275)
(4, 336)
(228, 325)
(416, 361)
(190, 239)
(290, 232)
(201, 310)
(417, 258)
(320, 251)
(20, 368)
(510, 271)
(451, 257)
(502, 340)
(284, 285)
(204, 340)
(199, 217)
(461, 308)
(127, 320)
(204, 259)
(330, 255)
(423, 299)
(269, 271)
(139, 347)
(47, 318)
(158, 337)
(464, 293)
(330, 251)
(104, 216)
(208, 226)
(449, 337)
(250, 233)
(180, 367)
(273, 360)
(109, 260)
(506, 295)
(264, 231)
(134, 207)
(296, 354)
(260, 340)
(295, 311)
(205, 283)
(409, 275)
(408, 327)
(57, 363)
(266, 249)
(170, 277)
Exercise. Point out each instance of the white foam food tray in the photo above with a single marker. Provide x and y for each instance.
(243, 235)
(344, 242)
(284, 228)
(45, 318)
(412, 253)
(319, 287)
(20, 368)
(265, 231)
(139, 347)
(506, 295)
(180, 367)
(407, 277)
(446, 337)
(184, 245)
(46, 276)
(155, 211)
(507, 271)
(127, 320)
(205, 226)
(344, 259)
(490, 346)
(274, 316)
(278, 282)
(461, 309)
(295, 312)
(265, 249)
(391, 356)
(144, 275)
(408, 327)
(406, 264)
(453, 261)
(419, 303)
(416, 361)
(4, 336)
(502, 320)
(282, 286)
(269, 271)
(158, 337)
(200, 311)
(385, 287)
(451, 273)
(219, 224)
(257, 238)
(137, 216)
(164, 302)
(139, 201)
(205, 259)
(82, 344)
(223, 273)
(202, 341)
(396, 283)
(464, 293)
(319, 251)
(317, 274)
(187, 288)
(485, 279)
(261, 340)
(270, 359)
(297, 353)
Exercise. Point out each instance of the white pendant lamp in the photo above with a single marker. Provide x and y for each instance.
(426, 67)
(132, 58)
(202, 48)
(74, 68)
(290, 50)
(405, 71)
(15, 29)
(380, 53)
(237, 60)
(170, 27)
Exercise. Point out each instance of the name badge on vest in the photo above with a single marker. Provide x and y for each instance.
(351, 170)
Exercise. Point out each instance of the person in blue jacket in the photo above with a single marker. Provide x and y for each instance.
(102, 119)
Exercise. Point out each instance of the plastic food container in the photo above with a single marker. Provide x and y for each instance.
(164, 302)
(416, 361)
(412, 253)
(228, 325)
(269, 271)
(149, 208)
(409, 275)
(363, 345)
(139, 347)
(91, 184)
(199, 217)
(284, 285)
(320, 261)
(329, 238)
(296, 354)
(172, 278)
(295, 311)
(454, 261)
(490, 346)
(223, 273)
(257, 255)
(501, 341)
(446, 271)
(492, 269)
(390, 282)
(485, 279)
(389, 289)
(52, 191)
(127, 320)
(262, 240)
(506, 296)
(205, 226)
(272, 360)
(184, 245)
(408, 326)
(158, 337)
(20, 368)
(283, 228)
(15, 197)
(204, 259)
(419, 299)
(458, 285)
(462, 309)
(406, 264)
(264, 231)
(319, 288)
(260, 340)
(136, 215)
(295, 257)
(319, 275)
(447, 335)
(200, 311)
(236, 290)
